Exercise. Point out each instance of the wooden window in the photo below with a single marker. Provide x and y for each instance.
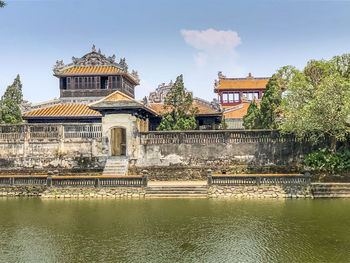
(236, 97)
(230, 97)
(68, 83)
(225, 97)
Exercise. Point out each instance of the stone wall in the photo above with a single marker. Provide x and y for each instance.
(189, 154)
(72, 192)
(39, 147)
(261, 191)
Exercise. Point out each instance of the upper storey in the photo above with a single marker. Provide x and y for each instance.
(94, 76)
(233, 91)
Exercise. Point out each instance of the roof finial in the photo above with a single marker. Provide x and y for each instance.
(99, 51)
(93, 48)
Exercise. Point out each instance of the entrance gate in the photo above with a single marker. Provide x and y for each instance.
(118, 142)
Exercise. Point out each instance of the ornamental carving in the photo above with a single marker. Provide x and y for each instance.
(58, 67)
(92, 59)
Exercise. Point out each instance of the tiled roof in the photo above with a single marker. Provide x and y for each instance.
(159, 108)
(242, 84)
(64, 110)
(119, 99)
(88, 70)
(236, 112)
(117, 96)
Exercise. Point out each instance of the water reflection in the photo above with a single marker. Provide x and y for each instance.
(34, 230)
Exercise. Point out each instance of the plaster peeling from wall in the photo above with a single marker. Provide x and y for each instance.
(171, 159)
(247, 158)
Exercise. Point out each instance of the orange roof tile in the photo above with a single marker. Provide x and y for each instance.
(117, 96)
(64, 110)
(242, 84)
(159, 108)
(236, 112)
(88, 70)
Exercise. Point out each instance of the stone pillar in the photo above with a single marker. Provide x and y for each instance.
(209, 177)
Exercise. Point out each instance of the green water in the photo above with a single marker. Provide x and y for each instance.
(34, 230)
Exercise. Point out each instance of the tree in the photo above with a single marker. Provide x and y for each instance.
(317, 105)
(270, 103)
(182, 113)
(2, 4)
(10, 111)
(252, 120)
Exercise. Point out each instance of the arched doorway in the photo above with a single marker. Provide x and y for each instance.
(118, 142)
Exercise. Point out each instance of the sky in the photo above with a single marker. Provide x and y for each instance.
(162, 39)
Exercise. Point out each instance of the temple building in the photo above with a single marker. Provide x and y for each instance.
(233, 91)
(236, 94)
(94, 86)
(93, 77)
(209, 114)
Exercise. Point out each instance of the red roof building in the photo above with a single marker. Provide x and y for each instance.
(233, 91)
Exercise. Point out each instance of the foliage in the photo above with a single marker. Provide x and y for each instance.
(10, 111)
(2, 4)
(252, 120)
(182, 113)
(223, 125)
(328, 161)
(317, 104)
(269, 114)
(270, 104)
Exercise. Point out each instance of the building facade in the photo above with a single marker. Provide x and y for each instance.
(234, 91)
(93, 77)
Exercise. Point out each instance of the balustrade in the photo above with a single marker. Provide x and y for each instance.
(49, 131)
(258, 179)
(212, 137)
(74, 181)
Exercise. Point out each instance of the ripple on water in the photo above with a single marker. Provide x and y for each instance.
(34, 230)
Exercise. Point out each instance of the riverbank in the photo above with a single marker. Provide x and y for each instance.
(183, 189)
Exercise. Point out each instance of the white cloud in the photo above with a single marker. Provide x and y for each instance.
(210, 40)
(214, 47)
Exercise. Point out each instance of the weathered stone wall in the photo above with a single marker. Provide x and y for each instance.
(79, 154)
(261, 191)
(172, 155)
(72, 192)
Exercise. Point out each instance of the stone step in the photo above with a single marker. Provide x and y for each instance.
(175, 196)
(176, 192)
(116, 166)
(331, 195)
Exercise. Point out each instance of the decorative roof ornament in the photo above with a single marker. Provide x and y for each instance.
(95, 59)
(123, 64)
(58, 67)
(220, 75)
(135, 74)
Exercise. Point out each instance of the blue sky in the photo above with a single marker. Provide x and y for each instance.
(162, 39)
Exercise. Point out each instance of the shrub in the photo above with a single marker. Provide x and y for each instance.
(327, 161)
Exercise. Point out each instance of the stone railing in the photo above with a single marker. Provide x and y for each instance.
(215, 136)
(83, 131)
(257, 179)
(49, 131)
(74, 181)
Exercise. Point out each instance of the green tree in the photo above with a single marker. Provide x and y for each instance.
(2, 4)
(10, 111)
(317, 104)
(270, 103)
(252, 120)
(182, 113)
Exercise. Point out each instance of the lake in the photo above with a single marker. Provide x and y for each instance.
(174, 230)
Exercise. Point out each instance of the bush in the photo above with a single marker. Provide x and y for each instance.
(327, 161)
